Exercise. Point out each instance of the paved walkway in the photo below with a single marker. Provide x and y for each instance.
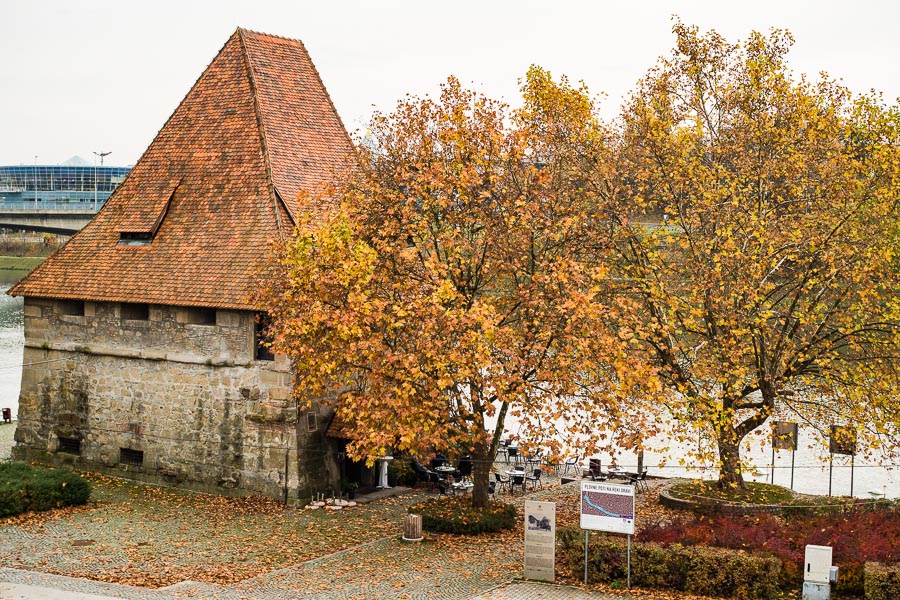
(440, 568)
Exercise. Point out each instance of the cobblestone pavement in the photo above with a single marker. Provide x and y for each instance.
(441, 568)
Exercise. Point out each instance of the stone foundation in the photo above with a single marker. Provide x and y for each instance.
(164, 400)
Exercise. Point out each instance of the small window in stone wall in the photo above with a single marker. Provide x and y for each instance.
(132, 311)
(74, 308)
(127, 456)
(69, 445)
(312, 422)
(263, 338)
(198, 315)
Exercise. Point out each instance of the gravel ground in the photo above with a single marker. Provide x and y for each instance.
(145, 542)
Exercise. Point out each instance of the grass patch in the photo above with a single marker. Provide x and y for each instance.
(20, 263)
(756, 493)
(457, 515)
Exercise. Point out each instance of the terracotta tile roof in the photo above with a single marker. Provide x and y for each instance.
(219, 181)
(338, 428)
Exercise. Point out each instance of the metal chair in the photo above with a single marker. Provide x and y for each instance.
(596, 473)
(512, 452)
(517, 481)
(553, 463)
(639, 480)
(502, 482)
(535, 479)
(571, 463)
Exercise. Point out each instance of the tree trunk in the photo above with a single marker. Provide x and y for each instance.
(730, 474)
(481, 475)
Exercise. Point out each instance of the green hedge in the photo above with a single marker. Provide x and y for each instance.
(882, 582)
(24, 488)
(698, 570)
(457, 515)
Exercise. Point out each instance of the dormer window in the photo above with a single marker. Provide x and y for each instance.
(135, 238)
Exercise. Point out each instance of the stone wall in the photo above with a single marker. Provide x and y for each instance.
(191, 397)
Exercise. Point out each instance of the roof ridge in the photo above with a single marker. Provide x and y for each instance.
(271, 35)
(261, 126)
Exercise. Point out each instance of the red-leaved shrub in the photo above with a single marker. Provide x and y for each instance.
(856, 536)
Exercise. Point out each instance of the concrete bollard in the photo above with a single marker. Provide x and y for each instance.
(412, 528)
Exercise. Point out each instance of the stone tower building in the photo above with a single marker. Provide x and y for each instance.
(142, 350)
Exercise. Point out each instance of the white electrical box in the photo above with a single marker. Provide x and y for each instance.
(817, 564)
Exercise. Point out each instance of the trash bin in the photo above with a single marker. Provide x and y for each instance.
(412, 528)
(7, 415)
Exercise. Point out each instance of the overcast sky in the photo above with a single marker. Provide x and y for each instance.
(88, 76)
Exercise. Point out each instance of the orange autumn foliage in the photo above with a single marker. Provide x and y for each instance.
(460, 278)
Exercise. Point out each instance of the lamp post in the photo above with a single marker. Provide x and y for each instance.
(102, 155)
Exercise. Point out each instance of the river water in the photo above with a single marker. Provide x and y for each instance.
(12, 339)
(811, 464)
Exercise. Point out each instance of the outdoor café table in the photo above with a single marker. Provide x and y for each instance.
(444, 470)
(463, 487)
(619, 474)
(518, 473)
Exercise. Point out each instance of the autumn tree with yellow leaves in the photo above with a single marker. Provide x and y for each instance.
(729, 251)
(459, 280)
(762, 243)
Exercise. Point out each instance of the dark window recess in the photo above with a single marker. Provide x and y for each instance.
(135, 312)
(127, 456)
(263, 338)
(70, 445)
(201, 316)
(135, 238)
(73, 308)
(312, 423)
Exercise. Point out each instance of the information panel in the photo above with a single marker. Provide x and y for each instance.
(540, 540)
(607, 507)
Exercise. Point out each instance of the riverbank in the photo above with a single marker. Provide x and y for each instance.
(22, 264)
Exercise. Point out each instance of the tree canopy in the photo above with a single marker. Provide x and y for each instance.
(771, 283)
(459, 278)
(727, 250)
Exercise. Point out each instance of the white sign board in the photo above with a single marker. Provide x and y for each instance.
(607, 507)
(540, 540)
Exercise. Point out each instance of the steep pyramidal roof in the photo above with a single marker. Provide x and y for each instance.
(219, 181)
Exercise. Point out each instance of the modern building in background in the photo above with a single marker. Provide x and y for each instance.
(74, 184)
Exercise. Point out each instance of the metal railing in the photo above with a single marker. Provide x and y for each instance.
(30, 206)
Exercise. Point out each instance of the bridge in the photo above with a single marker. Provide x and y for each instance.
(47, 216)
